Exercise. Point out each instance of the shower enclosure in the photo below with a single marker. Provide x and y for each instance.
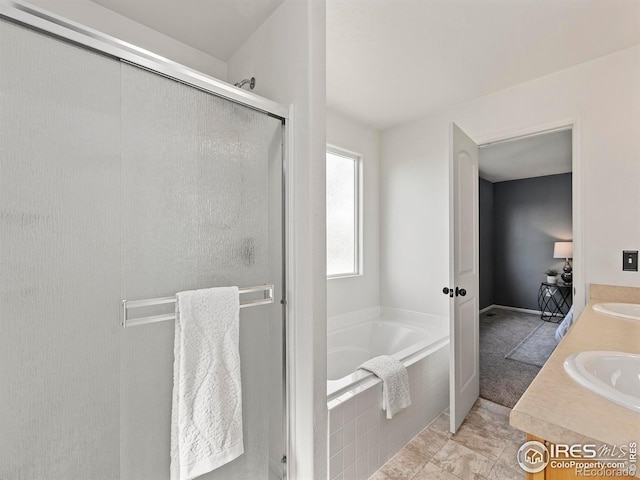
(117, 182)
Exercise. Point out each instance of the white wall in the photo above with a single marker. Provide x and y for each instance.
(106, 21)
(287, 57)
(356, 293)
(604, 93)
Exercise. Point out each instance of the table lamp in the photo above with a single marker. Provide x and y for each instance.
(564, 250)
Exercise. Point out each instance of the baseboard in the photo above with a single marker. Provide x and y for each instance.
(486, 309)
(515, 309)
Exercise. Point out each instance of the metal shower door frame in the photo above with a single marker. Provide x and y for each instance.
(57, 26)
(40, 20)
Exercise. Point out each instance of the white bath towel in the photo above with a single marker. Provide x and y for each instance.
(206, 415)
(395, 382)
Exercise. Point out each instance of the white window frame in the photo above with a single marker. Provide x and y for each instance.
(358, 207)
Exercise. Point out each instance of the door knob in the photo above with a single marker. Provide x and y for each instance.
(448, 291)
(460, 291)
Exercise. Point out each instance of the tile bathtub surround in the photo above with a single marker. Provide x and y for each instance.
(484, 447)
(361, 439)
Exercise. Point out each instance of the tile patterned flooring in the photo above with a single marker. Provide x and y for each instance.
(484, 447)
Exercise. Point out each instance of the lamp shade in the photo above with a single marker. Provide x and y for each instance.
(563, 250)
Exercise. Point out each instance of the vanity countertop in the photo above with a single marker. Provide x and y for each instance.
(556, 408)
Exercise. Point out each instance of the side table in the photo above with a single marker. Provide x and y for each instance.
(554, 300)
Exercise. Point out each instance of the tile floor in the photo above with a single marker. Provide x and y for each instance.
(484, 447)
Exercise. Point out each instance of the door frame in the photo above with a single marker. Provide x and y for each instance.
(580, 292)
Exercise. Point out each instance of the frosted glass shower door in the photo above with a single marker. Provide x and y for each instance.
(201, 206)
(59, 259)
(117, 183)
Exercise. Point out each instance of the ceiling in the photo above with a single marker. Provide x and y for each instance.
(216, 27)
(391, 61)
(535, 156)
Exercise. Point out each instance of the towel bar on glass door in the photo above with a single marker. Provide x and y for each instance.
(152, 302)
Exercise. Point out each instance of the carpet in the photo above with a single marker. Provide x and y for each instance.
(502, 380)
(537, 347)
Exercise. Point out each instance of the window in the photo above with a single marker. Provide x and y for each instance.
(343, 213)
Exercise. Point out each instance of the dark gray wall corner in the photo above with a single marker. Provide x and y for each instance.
(529, 215)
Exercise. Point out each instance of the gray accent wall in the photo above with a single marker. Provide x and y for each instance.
(527, 217)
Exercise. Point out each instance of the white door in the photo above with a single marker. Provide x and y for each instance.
(463, 276)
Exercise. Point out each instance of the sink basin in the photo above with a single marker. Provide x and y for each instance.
(625, 310)
(612, 375)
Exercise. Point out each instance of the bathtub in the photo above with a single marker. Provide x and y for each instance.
(361, 438)
(349, 347)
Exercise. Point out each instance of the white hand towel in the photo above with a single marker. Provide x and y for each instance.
(395, 382)
(206, 415)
